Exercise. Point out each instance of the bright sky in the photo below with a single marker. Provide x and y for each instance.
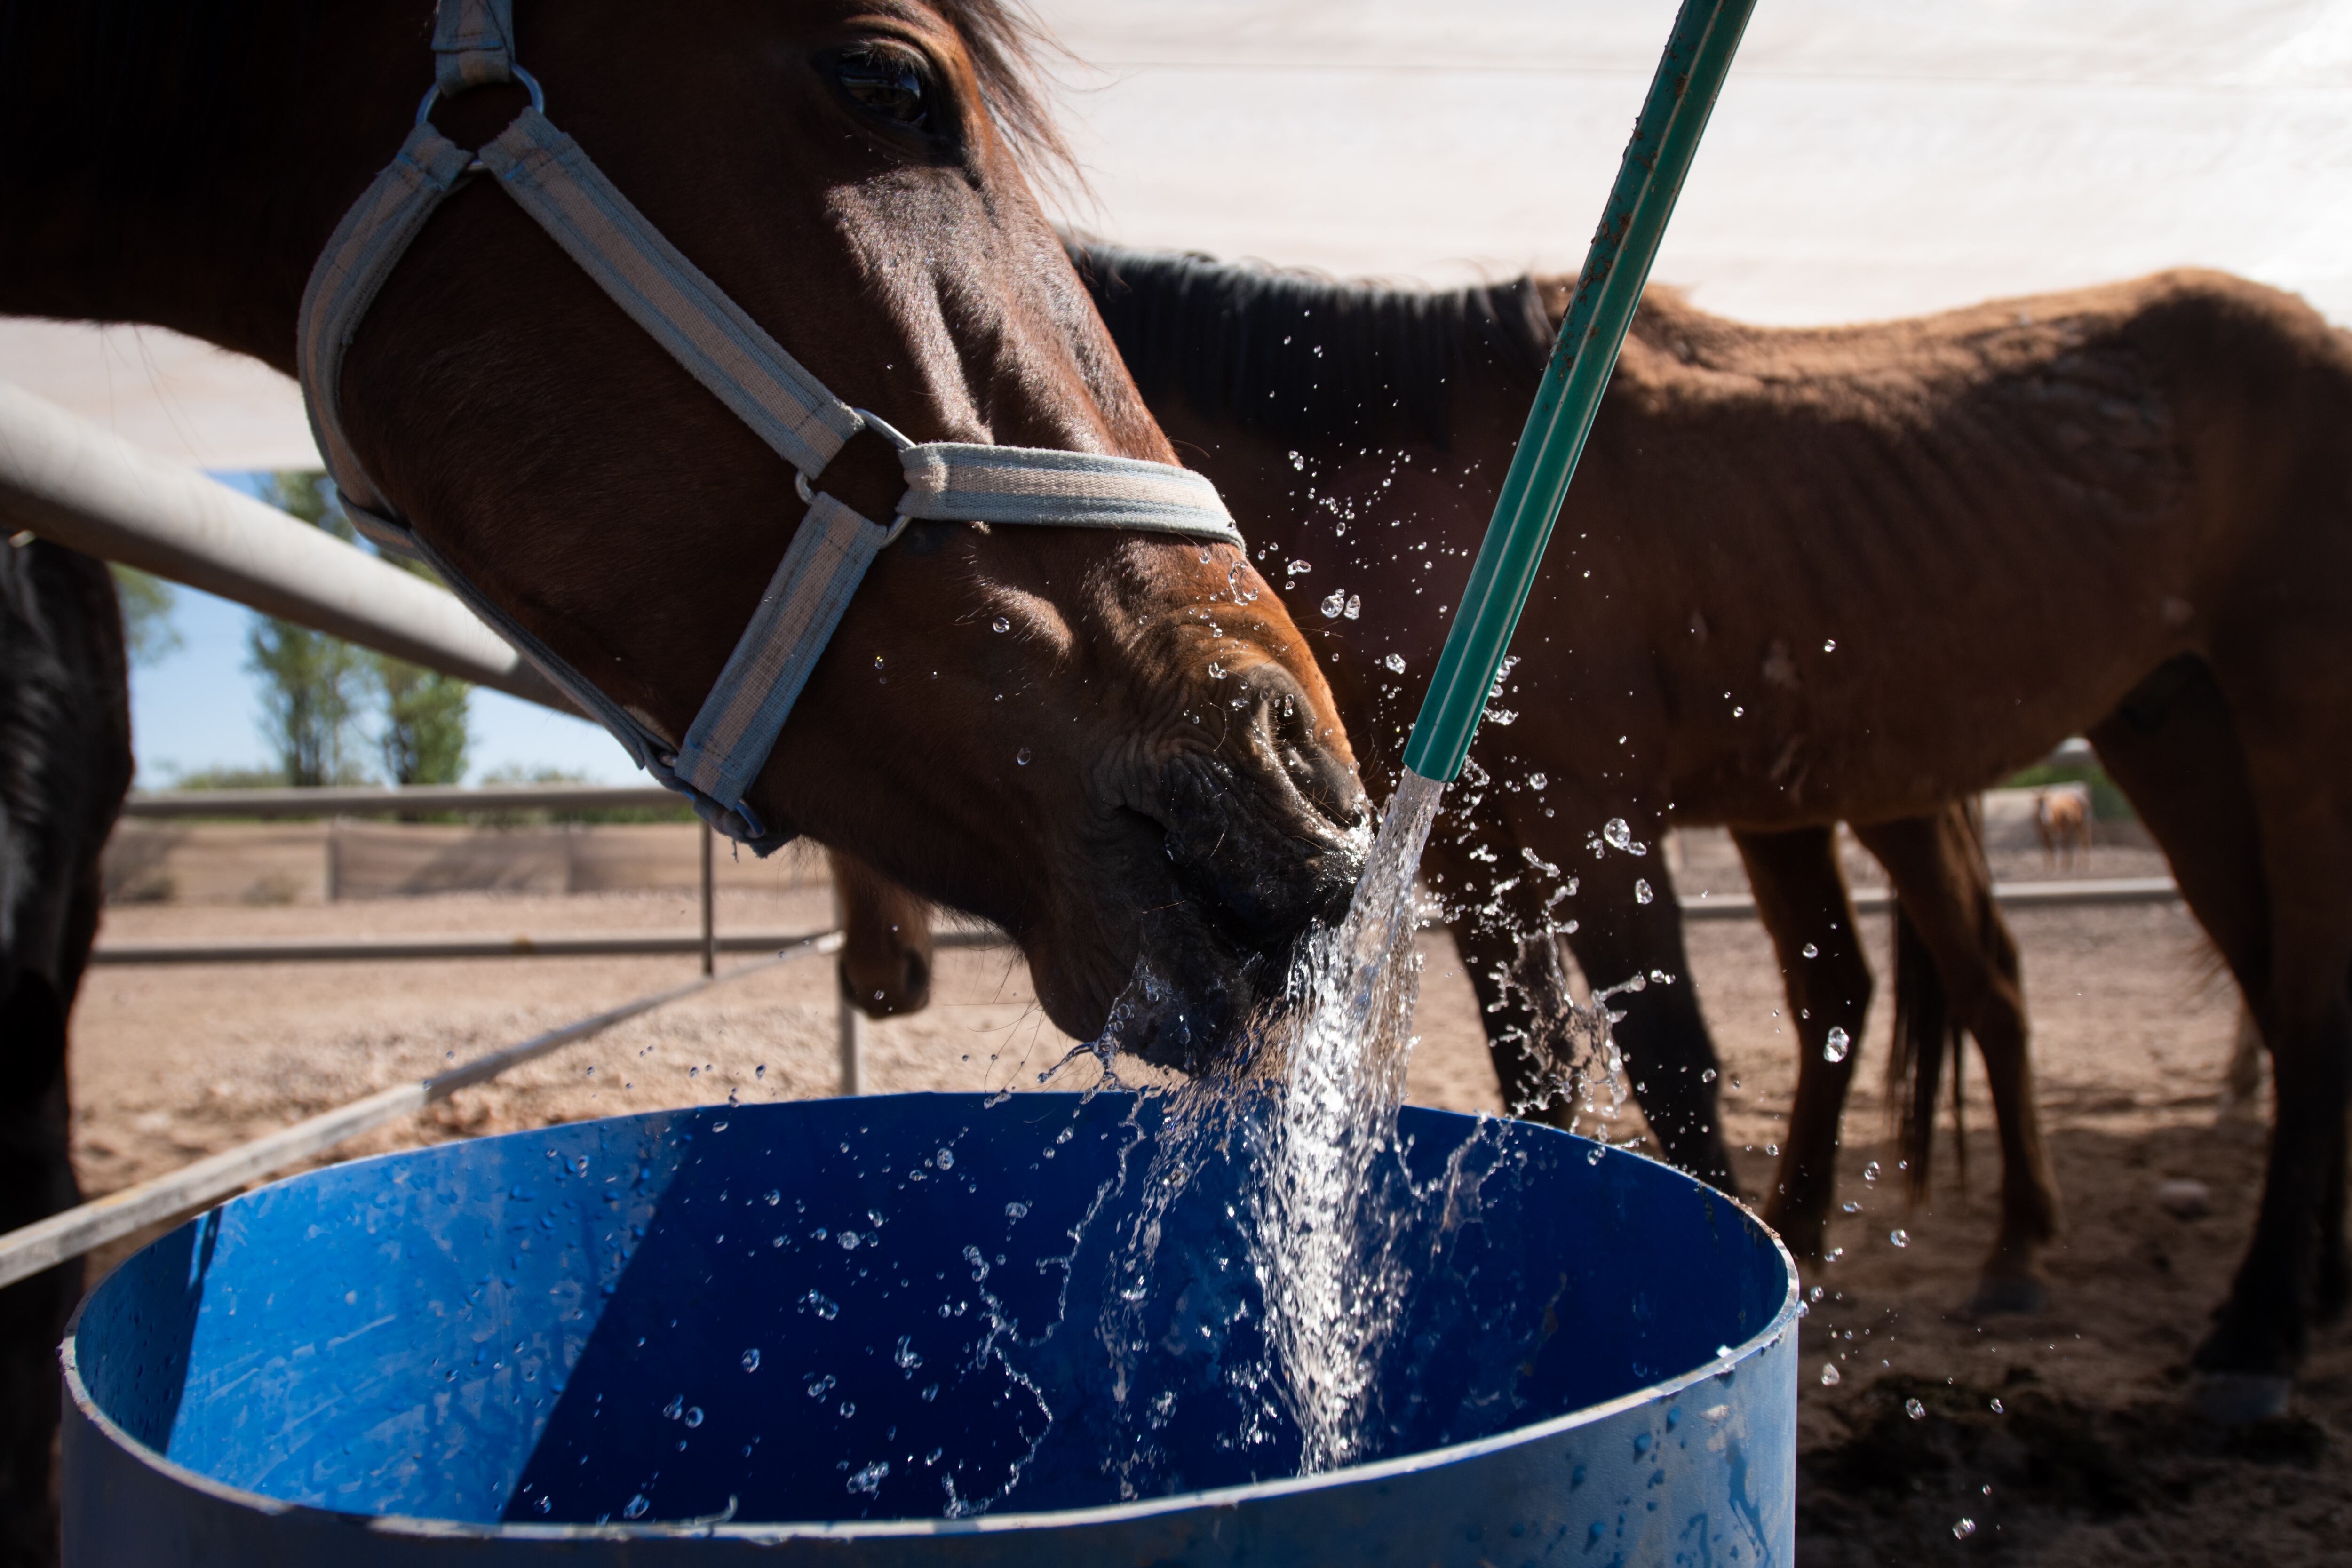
(1869, 158)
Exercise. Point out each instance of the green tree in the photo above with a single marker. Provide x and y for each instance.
(425, 732)
(311, 684)
(147, 602)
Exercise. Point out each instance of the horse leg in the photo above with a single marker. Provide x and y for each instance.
(2242, 1080)
(1937, 866)
(1507, 947)
(2253, 843)
(1633, 950)
(36, 1180)
(885, 965)
(1801, 895)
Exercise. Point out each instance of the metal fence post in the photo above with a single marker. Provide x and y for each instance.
(709, 911)
(853, 1046)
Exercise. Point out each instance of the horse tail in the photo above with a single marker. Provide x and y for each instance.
(1925, 1034)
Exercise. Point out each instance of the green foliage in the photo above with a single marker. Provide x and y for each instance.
(544, 776)
(425, 736)
(147, 601)
(228, 778)
(316, 690)
(310, 689)
(304, 495)
(2107, 802)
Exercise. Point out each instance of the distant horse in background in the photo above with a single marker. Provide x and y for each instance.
(1807, 575)
(2062, 820)
(65, 765)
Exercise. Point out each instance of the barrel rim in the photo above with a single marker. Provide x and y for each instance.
(1783, 1322)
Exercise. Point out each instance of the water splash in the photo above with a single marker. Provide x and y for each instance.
(1321, 1235)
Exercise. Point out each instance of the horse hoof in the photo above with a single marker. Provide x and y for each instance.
(2011, 1295)
(2241, 1398)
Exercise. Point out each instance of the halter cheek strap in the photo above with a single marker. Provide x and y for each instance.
(548, 175)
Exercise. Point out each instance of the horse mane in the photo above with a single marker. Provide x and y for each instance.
(1304, 357)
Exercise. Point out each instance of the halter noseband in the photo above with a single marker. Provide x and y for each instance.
(552, 179)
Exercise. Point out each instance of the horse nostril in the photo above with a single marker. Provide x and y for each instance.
(914, 983)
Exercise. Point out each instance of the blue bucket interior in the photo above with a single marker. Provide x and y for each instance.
(895, 1306)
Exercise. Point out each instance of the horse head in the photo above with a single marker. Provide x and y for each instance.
(1114, 744)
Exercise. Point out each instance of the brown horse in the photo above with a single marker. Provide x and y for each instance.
(1020, 722)
(1851, 574)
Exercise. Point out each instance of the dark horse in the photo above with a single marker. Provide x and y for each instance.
(65, 763)
(1858, 573)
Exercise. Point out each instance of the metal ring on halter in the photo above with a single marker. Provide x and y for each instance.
(808, 497)
(433, 95)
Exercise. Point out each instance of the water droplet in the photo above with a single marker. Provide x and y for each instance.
(1503, 716)
(675, 1408)
(760, 1072)
(1537, 781)
(868, 1482)
(1898, 1238)
(635, 1507)
(1016, 1211)
(1619, 833)
(1835, 1048)
(848, 1408)
(1298, 569)
(1997, 1410)
(1771, 1151)
(693, 1416)
(849, 1239)
(878, 661)
(1334, 605)
(1964, 1528)
(946, 1159)
(1870, 1172)
(827, 1309)
(1395, 662)
(1831, 1376)
(1828, 645)
(820, 1387)
(1021, 758)
(1216, 670)
(1913, 1409)
(1000, 624)
(752, 1359)
(1642, 894)
(775, 1196)
(1355, 606)
(904, 1356)
(1811, 951)
(1849, 1206)
(1707, 1076)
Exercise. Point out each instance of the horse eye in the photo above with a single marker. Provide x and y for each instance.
(884, 82)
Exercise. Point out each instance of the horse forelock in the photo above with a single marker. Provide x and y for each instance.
(1306, 357)
(1007, 46)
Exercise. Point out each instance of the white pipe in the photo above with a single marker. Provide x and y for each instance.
(85, 488)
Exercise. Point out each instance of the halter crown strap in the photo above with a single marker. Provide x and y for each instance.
(549, 177)
(473, 44)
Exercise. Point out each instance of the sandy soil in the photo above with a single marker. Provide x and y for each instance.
(2090, 1458)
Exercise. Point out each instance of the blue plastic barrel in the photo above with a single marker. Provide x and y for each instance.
(888, 1330)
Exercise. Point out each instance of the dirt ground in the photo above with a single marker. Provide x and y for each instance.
(2088, 1458)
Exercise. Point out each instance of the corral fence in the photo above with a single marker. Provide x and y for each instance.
(67, 481)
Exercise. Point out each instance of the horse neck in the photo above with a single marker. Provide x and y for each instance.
(181, 165)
